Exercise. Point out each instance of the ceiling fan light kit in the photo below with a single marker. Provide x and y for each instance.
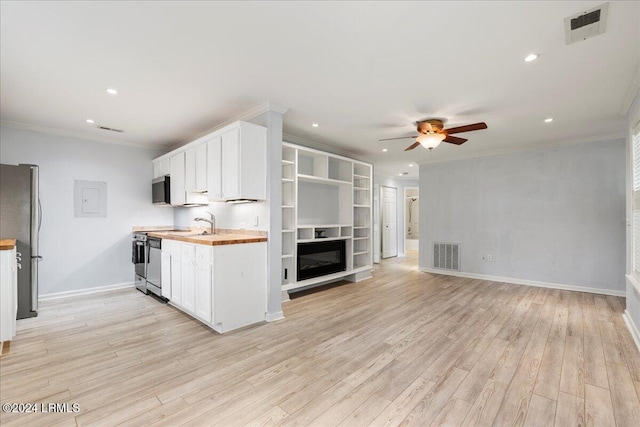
(432, 133)
(430, 140)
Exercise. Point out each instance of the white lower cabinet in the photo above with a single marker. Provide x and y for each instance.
(223, 286)
(175, 276)
(8, 293)
(203, 282)
(189, 277)
(165, 270)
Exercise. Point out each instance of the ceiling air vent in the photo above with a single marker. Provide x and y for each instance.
(111, 129)
(586, 24)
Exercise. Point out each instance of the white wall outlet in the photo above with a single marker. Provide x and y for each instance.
(257, 220)
(489, 257)
(242, 227)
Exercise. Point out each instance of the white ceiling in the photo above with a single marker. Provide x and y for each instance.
(362, 70)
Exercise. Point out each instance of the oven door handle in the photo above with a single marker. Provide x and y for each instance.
(137, 255)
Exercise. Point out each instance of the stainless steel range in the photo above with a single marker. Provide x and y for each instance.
(139, 260)
(154, 252)
(146, 252)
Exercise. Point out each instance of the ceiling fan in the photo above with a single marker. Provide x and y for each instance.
(432, 133)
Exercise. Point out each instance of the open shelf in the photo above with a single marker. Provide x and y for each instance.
(309, 233)
(311, 178)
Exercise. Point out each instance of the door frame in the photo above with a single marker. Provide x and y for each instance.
(404, 199)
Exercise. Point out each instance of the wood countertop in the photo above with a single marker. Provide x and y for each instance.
(7, 244)
(209, 239)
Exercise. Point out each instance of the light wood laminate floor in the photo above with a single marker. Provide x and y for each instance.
(403, 348)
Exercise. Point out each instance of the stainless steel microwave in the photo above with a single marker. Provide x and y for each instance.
(161, 190)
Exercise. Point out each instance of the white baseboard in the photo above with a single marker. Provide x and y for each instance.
(526, 282)
(272, 317)
(285, 296)
(87, 291)
(633, 329)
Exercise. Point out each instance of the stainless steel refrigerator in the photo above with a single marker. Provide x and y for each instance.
(20, 219)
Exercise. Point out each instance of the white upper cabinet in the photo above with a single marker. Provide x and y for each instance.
(160, 167)
(201, 168)
(190, 170)
(214, 163)
(231, 165)
(196, 169)
(177, 172)
(237, 166)
(228, 164)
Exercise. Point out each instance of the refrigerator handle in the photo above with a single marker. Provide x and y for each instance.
(39, 214)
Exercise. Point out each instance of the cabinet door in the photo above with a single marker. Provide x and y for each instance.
(204, 275)
(176, 272)
(201, 167)
(177, 173)
(188, 277)
(214, 165)
(190, 170)
(231, 165)
(157, 169)
(165, 268)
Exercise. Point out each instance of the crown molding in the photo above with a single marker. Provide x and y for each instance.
(72, 134)
(632, 92)
(533, 147)
(247, 115)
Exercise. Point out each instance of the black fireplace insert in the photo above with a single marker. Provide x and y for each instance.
(317, 259)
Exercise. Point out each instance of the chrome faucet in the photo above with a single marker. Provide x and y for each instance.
(211, 221)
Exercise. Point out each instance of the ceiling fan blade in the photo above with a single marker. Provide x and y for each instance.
(467, 128)
(412, 146)
(401, 137)
(455, 140)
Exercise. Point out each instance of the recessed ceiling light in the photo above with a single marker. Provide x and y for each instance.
(112, 91)
(531, 57)
(90, 121)
(410, 165)
(384, 150)
(315, 125)
(549, 120)
(400, 174)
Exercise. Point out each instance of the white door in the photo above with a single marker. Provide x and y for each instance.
(389, 222)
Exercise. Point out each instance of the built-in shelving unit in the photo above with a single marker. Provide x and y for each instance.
(288, 215)
(362, 214)
(325, 197)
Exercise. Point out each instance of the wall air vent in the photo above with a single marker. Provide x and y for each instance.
(586, 24)
(111, 129)
(446, 256)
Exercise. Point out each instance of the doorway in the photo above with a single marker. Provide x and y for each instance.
(411, 218)
(389, 219)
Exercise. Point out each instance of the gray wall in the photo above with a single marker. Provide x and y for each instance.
(400, 184)
(83, 253)
(550, 215)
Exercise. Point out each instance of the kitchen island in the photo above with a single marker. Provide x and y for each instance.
(8, 292)
(219, 279)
